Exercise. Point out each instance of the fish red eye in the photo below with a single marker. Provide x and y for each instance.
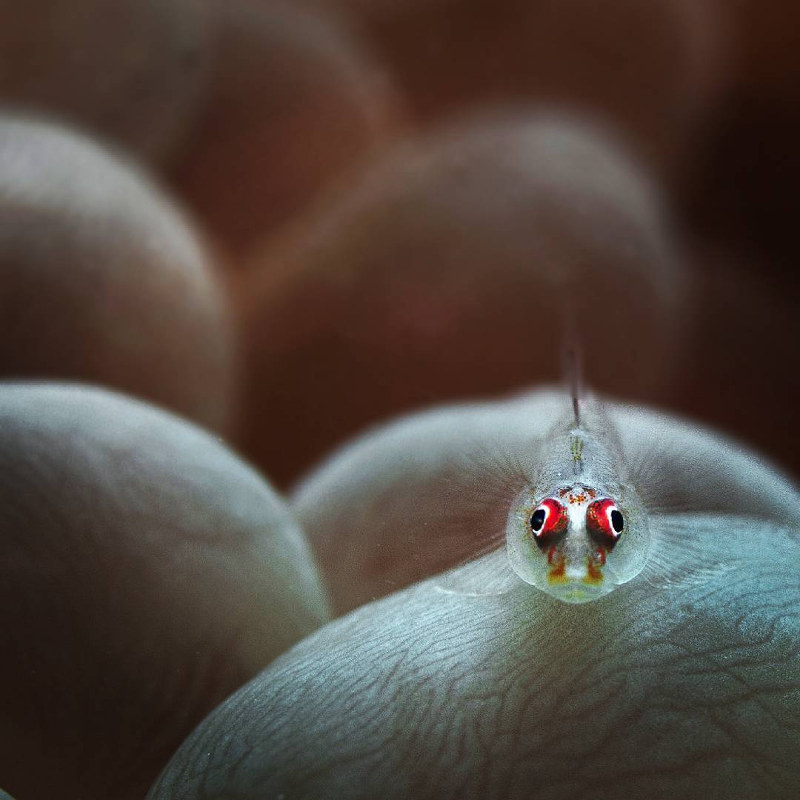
(548, 522)
(604, 522)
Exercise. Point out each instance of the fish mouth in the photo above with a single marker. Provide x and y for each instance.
(576, 592)
(561, 572)
(578, 582)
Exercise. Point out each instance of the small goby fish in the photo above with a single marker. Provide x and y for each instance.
(579, 529)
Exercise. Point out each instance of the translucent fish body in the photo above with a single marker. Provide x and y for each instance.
(579, 528)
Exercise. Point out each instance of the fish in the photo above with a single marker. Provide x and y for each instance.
(579, 528)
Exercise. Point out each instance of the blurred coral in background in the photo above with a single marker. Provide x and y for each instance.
(285, 222)
(269, 119)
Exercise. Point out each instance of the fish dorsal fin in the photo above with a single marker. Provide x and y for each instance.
(573, 377)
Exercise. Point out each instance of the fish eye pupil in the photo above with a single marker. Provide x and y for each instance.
(537, 520)
(617, 522)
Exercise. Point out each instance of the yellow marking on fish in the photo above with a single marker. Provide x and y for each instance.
(594, 575)
(576, 449)
(557, 575)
